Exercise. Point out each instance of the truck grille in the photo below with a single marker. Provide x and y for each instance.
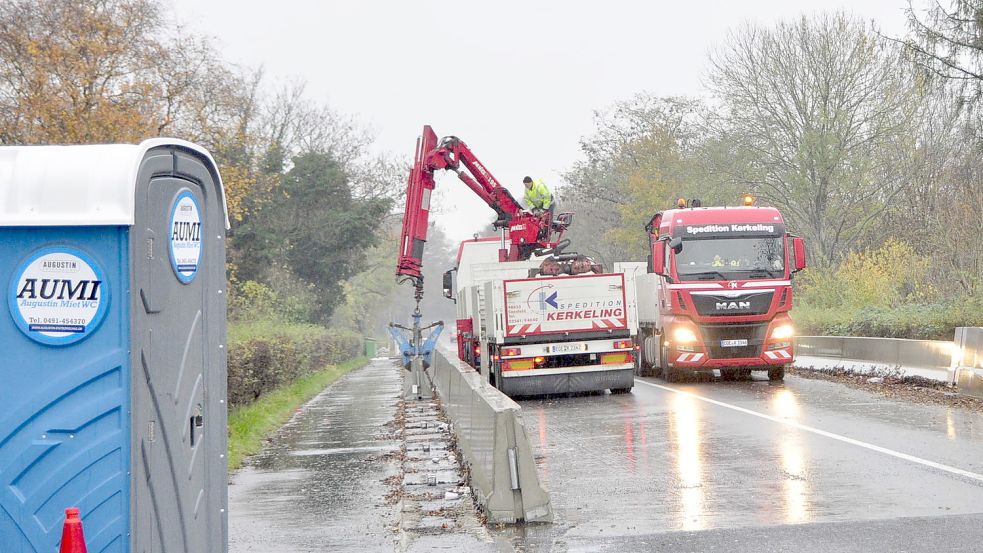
(753, 333)
(750, 303)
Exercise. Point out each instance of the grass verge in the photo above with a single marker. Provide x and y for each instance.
(249, 425)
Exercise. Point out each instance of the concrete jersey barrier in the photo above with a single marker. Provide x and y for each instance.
(929, 354)
(968, 360)
(491, 436)
(960, 361)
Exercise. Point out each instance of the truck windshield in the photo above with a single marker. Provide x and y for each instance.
(720, 258)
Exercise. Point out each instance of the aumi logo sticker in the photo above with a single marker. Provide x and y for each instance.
(58, 296)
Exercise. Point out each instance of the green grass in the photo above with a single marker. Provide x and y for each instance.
(249, 425)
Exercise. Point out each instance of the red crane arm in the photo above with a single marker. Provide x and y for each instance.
(450, 154)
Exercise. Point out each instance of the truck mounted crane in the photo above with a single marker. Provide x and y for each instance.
(531, 319)
(524, 233)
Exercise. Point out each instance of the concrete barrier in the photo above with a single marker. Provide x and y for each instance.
(925, 354)
(968, 360)
(492, 439)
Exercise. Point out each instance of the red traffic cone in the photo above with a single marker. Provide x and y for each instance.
(72, 540)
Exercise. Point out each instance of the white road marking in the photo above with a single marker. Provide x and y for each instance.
(844, 439)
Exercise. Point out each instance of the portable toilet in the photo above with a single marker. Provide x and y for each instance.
(112, 347)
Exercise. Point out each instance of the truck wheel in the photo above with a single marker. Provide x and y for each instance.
(728, 374)
(776, 374)
(615, 391)
(669, 374)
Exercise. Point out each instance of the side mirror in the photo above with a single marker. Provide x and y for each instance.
(798, 254)
(676, 244)
(449, 284)
(657, 261)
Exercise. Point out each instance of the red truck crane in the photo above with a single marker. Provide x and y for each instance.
(530, 319)
(525, 233)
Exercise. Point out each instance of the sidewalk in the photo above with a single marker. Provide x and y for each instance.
(357, 469)
(319, 485)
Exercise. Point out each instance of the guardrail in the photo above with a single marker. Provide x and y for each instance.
(492, 439)
(960, 359)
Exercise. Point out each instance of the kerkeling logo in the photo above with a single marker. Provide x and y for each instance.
(58, 296)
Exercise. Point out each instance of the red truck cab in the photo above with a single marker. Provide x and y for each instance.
(717, 292)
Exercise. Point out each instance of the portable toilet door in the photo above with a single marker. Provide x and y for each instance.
(113, 373)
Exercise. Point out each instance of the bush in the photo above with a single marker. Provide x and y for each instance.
(918, 322)
(264, 356)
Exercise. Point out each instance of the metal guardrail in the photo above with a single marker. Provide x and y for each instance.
(962, 358)
(492, 439)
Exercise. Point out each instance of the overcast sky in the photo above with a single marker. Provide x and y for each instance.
(517, 81)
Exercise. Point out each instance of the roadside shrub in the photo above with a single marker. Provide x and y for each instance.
(882, 278)
(913, 321)
(266, 355)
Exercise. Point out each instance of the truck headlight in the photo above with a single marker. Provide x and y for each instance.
(782, 332)
(684, 335)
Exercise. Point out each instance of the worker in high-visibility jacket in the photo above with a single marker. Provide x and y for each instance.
(537, 197)
(539, 200)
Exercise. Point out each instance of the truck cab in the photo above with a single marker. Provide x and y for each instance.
(717, 292)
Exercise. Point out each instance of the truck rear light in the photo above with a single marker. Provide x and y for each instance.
(621, 357)
(623, 344)
(477, 350)
(518, 365)
(511, 352)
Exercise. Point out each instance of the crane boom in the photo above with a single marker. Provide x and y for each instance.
(526, 233)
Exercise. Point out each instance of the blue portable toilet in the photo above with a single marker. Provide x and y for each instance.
(112, 347)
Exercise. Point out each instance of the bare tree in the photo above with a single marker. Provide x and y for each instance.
(948, 42)
(816, 109)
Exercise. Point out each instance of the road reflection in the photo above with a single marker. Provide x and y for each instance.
(795, 483)
(685, 440)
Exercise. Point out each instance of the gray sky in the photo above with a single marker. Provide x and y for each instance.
(517, 81)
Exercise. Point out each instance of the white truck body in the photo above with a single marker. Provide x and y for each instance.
(588, 316)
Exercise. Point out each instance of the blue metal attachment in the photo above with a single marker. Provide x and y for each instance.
(415, 346)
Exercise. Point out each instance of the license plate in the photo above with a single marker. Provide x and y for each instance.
(567, 348)
(732, 343)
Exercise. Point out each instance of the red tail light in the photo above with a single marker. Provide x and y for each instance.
(511, 352)
(623, 344)
(539, 361)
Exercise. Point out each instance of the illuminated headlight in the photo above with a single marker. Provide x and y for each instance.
(684, 335)
(782, 332)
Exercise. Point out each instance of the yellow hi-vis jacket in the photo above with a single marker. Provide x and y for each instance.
(538, 197)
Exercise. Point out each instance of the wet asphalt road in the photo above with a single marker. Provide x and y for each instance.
(802, 466)
(319, 485)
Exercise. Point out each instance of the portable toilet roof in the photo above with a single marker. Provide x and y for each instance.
(88, 185)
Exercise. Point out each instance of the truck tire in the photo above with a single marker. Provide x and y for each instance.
(775, 375)
(729, 374)
(615, 391)
(669, 374)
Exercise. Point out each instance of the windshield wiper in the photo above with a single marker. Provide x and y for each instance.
(706, 275)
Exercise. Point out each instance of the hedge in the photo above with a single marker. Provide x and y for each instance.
(919, 322)
(266, 356)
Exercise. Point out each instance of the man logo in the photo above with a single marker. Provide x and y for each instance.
(732, 305)
(733, 285)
